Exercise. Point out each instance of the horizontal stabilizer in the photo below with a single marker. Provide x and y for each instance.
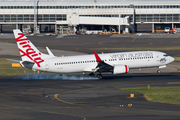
(14, 60)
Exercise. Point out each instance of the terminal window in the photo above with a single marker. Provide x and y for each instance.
(30, 18)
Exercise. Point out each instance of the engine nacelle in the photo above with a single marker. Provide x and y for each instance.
(120, 69)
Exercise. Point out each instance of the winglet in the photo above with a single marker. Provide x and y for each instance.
(49, 51)
(98, 59)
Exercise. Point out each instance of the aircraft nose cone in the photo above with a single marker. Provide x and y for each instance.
(171, 59)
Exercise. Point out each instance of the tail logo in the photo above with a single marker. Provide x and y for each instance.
(29, 51)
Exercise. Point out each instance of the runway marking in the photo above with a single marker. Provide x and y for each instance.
(90, 106)
(175, 68)
(46, 111)
(56, 97)
(133, 39)
(25, 84)
(35, 109)
(173, 82)
(57, 113)
(100, 43)
(14, 107)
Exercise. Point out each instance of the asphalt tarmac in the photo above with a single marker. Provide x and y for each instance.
(87, 99)
(86, 44)
(37, 99)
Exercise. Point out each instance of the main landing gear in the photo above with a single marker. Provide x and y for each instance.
(98, 75)
(91, 74)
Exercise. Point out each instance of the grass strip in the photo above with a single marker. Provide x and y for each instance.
(6, 69)
(170, 95)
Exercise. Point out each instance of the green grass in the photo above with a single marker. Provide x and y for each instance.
(169, 95)
(6, 69)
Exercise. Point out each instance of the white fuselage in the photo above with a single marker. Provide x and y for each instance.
(87, 63)
(116, 63)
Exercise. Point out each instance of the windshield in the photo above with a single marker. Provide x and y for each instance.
(165, 55)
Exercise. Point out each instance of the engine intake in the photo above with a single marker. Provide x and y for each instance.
(120, 69)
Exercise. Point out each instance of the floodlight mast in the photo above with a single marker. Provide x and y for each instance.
(37, 12)
(35, 18)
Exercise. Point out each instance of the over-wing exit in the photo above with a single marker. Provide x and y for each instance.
(115, 63)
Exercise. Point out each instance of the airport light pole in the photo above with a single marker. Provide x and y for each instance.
(119, 24)
(37, 11)
(34, 16)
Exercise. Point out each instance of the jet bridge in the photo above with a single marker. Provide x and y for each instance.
(74, 20)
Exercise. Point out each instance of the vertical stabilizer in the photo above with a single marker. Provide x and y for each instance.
(27, 50)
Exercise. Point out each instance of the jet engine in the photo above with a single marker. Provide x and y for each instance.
(119, 69)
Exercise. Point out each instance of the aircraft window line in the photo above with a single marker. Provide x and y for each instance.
(78, 62)
(91, 61)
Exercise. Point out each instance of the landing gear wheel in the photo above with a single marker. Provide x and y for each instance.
(158, 71)
(99, 76)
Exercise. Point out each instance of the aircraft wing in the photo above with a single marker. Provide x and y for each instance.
(102, 66)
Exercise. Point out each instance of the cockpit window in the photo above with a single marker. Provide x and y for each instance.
(165, 55)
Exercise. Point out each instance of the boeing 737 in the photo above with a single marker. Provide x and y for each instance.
(115, 63)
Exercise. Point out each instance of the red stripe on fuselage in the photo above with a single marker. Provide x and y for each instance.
(126, 68)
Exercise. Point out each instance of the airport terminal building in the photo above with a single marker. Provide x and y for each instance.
(48, 15)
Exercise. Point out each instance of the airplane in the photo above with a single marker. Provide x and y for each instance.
(115, 63)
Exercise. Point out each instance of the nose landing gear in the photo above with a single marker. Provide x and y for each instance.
(99, 76)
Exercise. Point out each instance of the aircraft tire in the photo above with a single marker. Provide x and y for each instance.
(99, 76)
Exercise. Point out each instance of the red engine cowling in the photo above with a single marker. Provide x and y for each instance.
(119, 69)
